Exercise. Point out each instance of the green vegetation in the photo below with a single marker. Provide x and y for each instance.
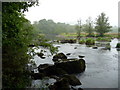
(88, 27)
(50, 29)
(90, 41)
(17, 35)
(103, 39)
(82, 41)
(102, 25)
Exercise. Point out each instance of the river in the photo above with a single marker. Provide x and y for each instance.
(101, 65)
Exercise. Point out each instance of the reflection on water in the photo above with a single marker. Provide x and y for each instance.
(102, 65)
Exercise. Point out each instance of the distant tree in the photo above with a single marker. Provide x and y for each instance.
(88, 27)
(78, 27)
(102, 25)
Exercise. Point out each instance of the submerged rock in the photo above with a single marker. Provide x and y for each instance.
(59, 56)
(68, 53)
(80, 56)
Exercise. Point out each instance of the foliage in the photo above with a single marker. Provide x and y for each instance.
(102, 25)
(50, 29)
(90, 41)
(88, 27)
(82, 41)
(79, 29)
(103, 39)
(16, 38)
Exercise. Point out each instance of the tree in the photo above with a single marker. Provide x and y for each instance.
(102, 25)
(79, 29)
(16, 32)
(88, 27)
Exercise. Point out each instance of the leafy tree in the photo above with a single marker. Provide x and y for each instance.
(88, 27)
(16, 32)
(79, 29)
(102, 25)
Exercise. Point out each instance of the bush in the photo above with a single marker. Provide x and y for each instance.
(103, 39)
(90, 41)
(82, 41)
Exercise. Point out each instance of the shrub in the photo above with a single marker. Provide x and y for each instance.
(82, 41)
(90, 41)
(118, 45)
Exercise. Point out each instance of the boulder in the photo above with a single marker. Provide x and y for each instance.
(41, 55)
(72, 80)
(61, 84)
(95, 47)
(50, 70)
(59, 56)
(36, 76)
(72, 66)
(118, 45)
(68, 53)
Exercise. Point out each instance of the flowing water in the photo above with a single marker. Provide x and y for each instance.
(101, 65)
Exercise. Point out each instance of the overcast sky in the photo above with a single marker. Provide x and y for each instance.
(69, 11)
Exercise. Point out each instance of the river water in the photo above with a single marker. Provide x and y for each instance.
(101, 65)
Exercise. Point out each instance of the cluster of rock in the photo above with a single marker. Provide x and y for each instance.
(68, 41)
(62, 71)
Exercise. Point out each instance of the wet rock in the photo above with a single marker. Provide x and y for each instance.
(40, 55)
(59, 56)
(36, 76)
(68, 53)
(68, 41)
(31, 45)
(62, 84)
(72, 66)
(118, 45)
(72, 80)
(49, 70)
(80, 56)
(95, 47)
(75, 47)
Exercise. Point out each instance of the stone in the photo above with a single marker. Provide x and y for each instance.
(95, 47)
(59, 56)
(72, 66)
(72, 80)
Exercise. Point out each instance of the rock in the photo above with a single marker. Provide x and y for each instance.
(40, 55)
(68, 53)
(62, 84)
(68, 41)
(95, 47)
(36, 76)
(75, 47)
(72, 80)
(118, 45)
(72, 66)
(59, 56)
(49, 70)
(80, 56)
(31, 45)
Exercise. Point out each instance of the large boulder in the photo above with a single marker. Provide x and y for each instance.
(69, 66)
(72, 66)
(59, 56)
(50, 70)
